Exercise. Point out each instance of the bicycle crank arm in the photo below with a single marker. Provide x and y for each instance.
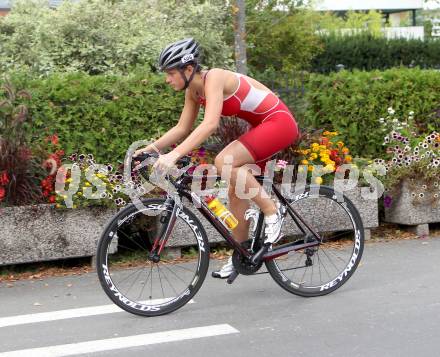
(232, 277)
(286, 248)
(256, 258)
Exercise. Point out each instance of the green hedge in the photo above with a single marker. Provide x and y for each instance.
(101, 115)
(353, 102)
(104, 114)
(366, 52)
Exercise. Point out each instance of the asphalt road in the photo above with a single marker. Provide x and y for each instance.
(390, 307)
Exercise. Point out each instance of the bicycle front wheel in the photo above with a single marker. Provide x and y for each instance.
(321, 269)
(142, 285)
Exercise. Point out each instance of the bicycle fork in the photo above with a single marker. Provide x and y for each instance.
(167, 224)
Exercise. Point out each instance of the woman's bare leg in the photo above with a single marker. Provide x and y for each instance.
(241, 156)
(238, 207)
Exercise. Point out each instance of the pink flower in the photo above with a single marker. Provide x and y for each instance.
(282, 164)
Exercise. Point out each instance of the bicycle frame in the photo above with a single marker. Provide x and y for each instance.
(206, 212)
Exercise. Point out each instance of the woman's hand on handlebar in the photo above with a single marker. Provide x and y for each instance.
(147, 149)
(137, 155)
(166, 162)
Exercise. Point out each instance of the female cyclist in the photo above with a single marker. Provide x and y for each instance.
(226, 93)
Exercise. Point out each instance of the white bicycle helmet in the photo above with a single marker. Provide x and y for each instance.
(180, 54)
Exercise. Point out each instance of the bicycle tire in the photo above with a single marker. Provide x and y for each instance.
(108, 270)
(338, 245)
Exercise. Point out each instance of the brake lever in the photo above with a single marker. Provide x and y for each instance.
(144, 156)
(145, 159)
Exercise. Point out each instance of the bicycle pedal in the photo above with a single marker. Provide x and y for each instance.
(232, 277)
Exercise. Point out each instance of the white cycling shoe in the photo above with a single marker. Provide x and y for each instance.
(225, 270)
(272, 229)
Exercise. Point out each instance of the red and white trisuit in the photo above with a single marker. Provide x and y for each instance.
(273, 126)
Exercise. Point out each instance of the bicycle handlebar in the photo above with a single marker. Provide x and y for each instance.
(185, 160)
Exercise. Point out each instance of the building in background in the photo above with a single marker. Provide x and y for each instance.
(395, 13)
(5, 5)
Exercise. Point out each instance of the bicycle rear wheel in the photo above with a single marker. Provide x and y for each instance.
(136, 283)
(321, 269)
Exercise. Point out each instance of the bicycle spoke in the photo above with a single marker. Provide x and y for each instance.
(132, 240)
(140, 271)
(130, 274)
(160, 279)
(172, 287)
(330, 260)
(178, 277)
(151, 285)
(184, 268)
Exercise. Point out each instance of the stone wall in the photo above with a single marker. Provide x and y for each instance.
(42, 233)
(409, 209)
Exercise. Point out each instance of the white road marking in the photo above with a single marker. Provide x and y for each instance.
(124, 342)
(65, 314)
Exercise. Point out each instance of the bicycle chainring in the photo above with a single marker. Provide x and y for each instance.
(243, 265)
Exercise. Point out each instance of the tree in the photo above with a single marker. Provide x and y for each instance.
(103, 36)
(281, 35)
(239, 19)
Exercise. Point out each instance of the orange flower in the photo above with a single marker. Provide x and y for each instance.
(324, 141)
(345, 150)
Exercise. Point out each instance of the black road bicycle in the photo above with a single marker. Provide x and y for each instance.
(321, 244)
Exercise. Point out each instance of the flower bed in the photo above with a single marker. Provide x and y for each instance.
(412, 178)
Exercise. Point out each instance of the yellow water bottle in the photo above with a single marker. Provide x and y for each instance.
(225, 216)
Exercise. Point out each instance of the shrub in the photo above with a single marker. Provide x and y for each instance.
(101, 114)
(366, 51)
(100, 36)
(19, 169)
(104, 114)
(351, 102)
